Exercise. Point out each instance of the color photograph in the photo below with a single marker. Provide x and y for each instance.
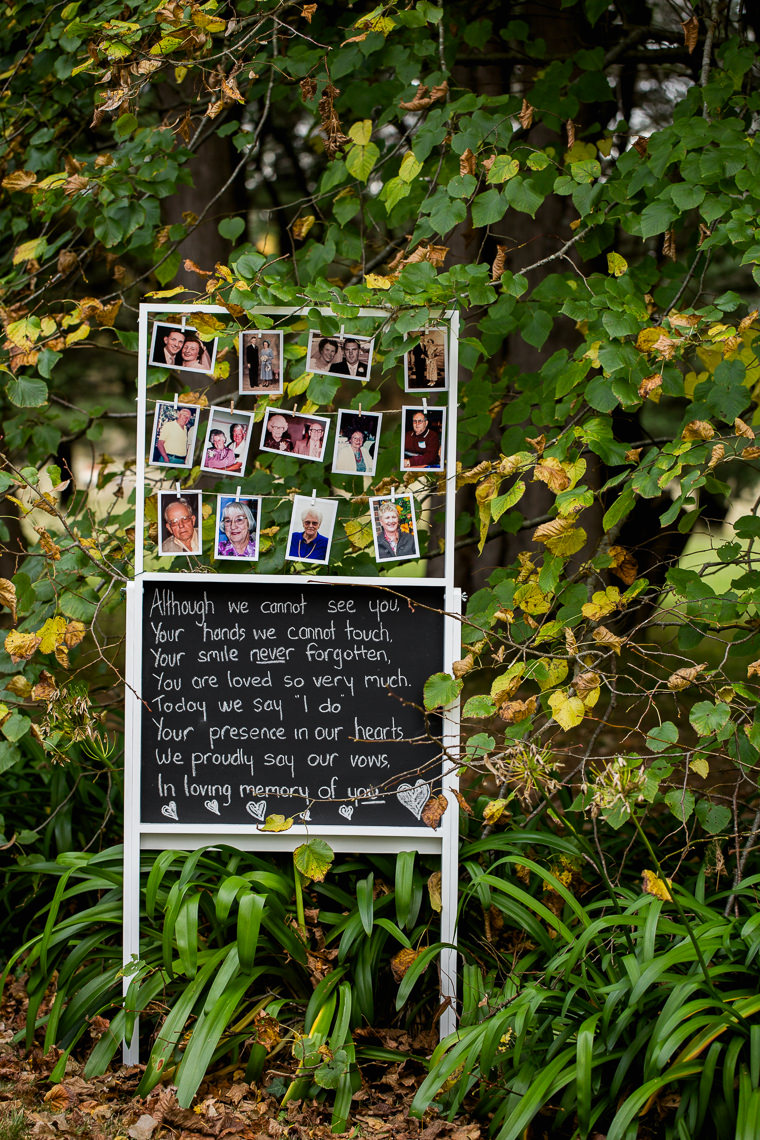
(297, 434)
(357, 441)
(422, 438)
(394, 529)
(238, 521)
(179, 523)
(311, 529)
(228, 437)
(174, 429)
(344, 355)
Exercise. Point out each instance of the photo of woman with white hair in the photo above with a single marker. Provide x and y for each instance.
(237, 527)
(311, 529)
(393, 528)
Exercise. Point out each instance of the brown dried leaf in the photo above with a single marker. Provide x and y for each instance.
(748, 321)
(632, 456)
(604, 636)
(730, 344)
(649, 385)
(308, 89)
(751, 452)
(586, 682)
(19, 180)
(526, 115)
(698, 429)
(499, 262)
(74, 184)
(467, 162)
(401, 962)
(641, 144)
(308, 11)
(75, 632)
(570, 126)
(512, 712)
(47, 544)
(690, 32)
(684, 320)
(624, 565)
(459, 668)
(66, 262)
(302, 225)
(704, 232)
(8, 596)
(753, 669)
(420, 101)
(459, 797)
(716, 455)
(433, 811)
(669, 245)
(743, 429)
(550, 472)
(682, 678)
(46, 688)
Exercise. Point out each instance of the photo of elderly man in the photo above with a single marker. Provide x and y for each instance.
(311, 529)
(178, 530)
(422, 439)
(173, 439)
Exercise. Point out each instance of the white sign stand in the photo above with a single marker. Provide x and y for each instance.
(140, 836)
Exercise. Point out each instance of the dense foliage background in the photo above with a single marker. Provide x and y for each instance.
(580, 180)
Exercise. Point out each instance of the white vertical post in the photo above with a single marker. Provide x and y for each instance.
(131, 886)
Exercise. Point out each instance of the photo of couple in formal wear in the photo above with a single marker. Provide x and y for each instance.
(180, 347)
(426, 363)
(173, 440)
(260, 360)
(339, 355)
(356, 443)
(227, 440)
(295, 433)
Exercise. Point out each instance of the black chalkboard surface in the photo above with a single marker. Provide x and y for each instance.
(301, 700)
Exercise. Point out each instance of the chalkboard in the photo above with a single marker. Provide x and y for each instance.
(299, 700)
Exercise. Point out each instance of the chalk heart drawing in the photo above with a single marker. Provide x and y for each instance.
(212, 805)
(170, 810)
(257, 809)
(414, 798)
(346, 810)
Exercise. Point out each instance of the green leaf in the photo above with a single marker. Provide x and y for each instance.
(656, 218)
(479, 706)
(440, 690)
(9, 755)
(16, 726)
(314, 859)
(27, 392)
(707, 718)
(661, 737)
(715, 818)
(503, 168)
(361, 159)
(488, 208)
(681, 803)
(231, 228)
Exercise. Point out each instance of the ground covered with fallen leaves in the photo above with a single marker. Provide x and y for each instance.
(108, 1108)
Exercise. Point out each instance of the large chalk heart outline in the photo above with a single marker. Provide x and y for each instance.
(346, 810)
(414, 798)
(170, 810)
(212, 805)
(258, 809)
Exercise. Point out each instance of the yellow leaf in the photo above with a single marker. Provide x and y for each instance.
(8, 596)
(532, 599)
(504, 686)
(75, 632)
(434, 891)
(359, 533)
(51, 634)
(604, 636)
(604, 146)
(602, 602)
(410, 167)
(652, 884)
(494, 810)
(77, 334)
(162, 294)
(207, 326)
(19, 686)
(276, 823)
(753, 669)
(616, 264)
(361, 132)
(401, 962)
(700, 766)
(21, 646)
(28, 250)
(375, 281)
(555, 671)
(551, 472)
(647, 339)
(302, 225)
(19, 180)
(567, 711)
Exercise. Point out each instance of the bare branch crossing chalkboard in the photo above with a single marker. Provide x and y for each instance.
(301, 700)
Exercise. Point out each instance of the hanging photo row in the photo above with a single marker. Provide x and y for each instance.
(229, 443)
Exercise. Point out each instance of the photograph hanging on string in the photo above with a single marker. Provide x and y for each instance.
(238, 521)
(172, 442)
(228, 438)
(311, 529)
(179, 523)
(394, 528)
(260, 359)
(344, 355)
(426, 363)
(181, 348)
(295, 433)
(422, 438)
(357, 442)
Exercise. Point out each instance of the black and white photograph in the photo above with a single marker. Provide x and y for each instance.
(174, 429)
(238, 520)
(344, 355)
(394, 529)
(426, 363)
(295, 433)
(179, 523)
(228, 437)
(261, 363)
(180, 347)
(311, 529)
(357, 442)
(422, 438)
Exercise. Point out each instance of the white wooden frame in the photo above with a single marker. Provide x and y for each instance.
(139, 836)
